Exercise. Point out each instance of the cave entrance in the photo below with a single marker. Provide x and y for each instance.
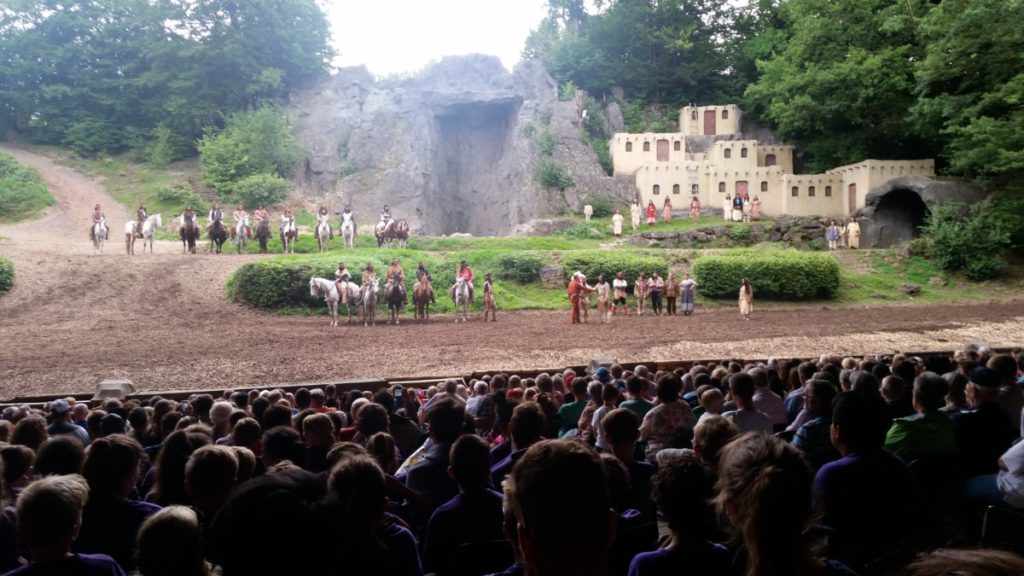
(899, 217)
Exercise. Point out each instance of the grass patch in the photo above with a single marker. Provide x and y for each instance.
(22, 192)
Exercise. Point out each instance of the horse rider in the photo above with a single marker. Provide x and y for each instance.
(238, 215)
(396, 273)
(369, 276)
(341, 280)
(322, 217)
(425, 280)
(215, 215)
(188, 217)
(385, 217)
(97, 216)
(288, 221)
(141, 216)
(464, 273)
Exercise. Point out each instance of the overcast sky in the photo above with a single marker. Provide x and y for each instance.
(398, 36)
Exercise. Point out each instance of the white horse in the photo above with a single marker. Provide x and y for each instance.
(323, 235)
(289, 234)
(240, 238)
(461, 299)
(369, 301)
(318, 286)
(99, 234)
(149, 228)
(348, 230)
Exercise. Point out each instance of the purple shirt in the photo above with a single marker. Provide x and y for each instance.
(112, 529)
(74, 565)
(705, 558)
(766, 401)
(473, 516)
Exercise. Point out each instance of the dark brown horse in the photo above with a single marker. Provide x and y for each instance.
(422, 296)
(218, 235)
(189, 233)
(395, 230)
(263, 235)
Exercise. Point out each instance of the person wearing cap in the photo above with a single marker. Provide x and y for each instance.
(60, 411)
(984, 431)
(464, 273)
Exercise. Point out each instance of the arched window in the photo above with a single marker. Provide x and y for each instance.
(725, 114)
(794, 192)
(629, 146)
(728, 153)
(721, 187)
(693, 114)
(656, 190)
(810, 190)
(769, 160)
(764, 186)
(828, 190)
(677, 146)
(675, 188)
(743, 152)
(647, 146)
(695, 189)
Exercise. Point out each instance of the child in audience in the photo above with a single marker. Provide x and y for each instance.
(170, 543)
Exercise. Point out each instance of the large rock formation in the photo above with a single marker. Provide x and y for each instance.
(453, 149)
(894, 211)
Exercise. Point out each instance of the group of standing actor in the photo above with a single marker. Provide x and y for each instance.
(741, 208)
(850, 233)
(611, 298)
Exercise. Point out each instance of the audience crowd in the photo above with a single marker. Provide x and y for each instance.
(834, 467)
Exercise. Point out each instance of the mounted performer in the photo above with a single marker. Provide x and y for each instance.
(261, 215)
(188, 217)
(238, 216)
(465, 273)
(140, 216)
(369, 276)
(215, 215)
(288, 222)
(341, 279)
(396, 272)
(97, 217)
(323, 217)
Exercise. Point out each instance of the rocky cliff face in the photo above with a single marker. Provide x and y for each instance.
(451, 150)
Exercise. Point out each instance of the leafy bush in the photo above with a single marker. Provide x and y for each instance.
(92, 136)
(774, 274)
(593, 264)
(266, 189)
(178, 195)
(583, 231)
(522, 267)
(974, 241)
(545, 116)
(6, 274)
(274, 284)
(165, 146)
(604, 206)
(568, 91)
(740, 232)
(546, 141)
(529, 129)
(257, 142)
(551, 174)
(22, 192)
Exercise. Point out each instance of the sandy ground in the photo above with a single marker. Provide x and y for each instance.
(163, 321)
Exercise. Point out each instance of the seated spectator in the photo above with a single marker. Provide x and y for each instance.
(525, 428)
(368, 541)
(967, 562)
(984, 431)
(766, 401)
(17, 467)
(795, 399)
(536, 493)
(712, 401)
(1004, 487)
(110, 522)
(406, 432)
(474, 515)
(60, 411)
(169, 471)
(282, 444)
(814, 438)
(428, 477)
(928, 433)
(894, 391)
(956, 398)
(30, 431)
(49, 517)
(211, 475)
(569, 413)
(764, 490)
(246, 463)
(670, 423)
(318, 435)
(584, 427)
(381, 447)
(635, 532)
(59, 456)
(609, 399)
(869, 497)
(746, 417)
(637, 402)
(1011, 395)
(681, 492)
(710, 437)
(170, 543)
(622, 429)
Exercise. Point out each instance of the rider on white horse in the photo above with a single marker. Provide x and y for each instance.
(465, 273)
(369, 277)
(288, 221)
(385, 218)
(140, 216)
(322, 219)
(341, 279)
(239, 216)
(97, 217)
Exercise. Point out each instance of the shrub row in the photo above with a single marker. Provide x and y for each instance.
(522, 267)
(593, 264)
(774, 274)
(22, 192)
(6, 274)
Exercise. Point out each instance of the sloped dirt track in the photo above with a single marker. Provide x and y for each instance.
(163, 321)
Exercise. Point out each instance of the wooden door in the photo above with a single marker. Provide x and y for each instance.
(853, 198)
(662, 150)
(741, 188)
(709, 122)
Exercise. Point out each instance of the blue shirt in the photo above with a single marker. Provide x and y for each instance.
(815, 440)
(705, 558)
(473, 516)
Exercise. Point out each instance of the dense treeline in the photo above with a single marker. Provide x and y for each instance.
(150, 75)
(840, 80)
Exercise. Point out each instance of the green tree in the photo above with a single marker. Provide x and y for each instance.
(256, 142)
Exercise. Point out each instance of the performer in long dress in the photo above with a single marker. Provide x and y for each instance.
(666, 211)
(687, 288)
(619, 286)
(617, 222)
(755, 209)
(727, 208)
(853, 234)
(671, 293)
(634, 213)
(737, 208)
(652, 213)
(695, 210)
(603, 303)
(746, 298)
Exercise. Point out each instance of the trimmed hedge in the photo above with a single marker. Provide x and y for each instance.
(522, 267)
(774, 274)
(593, 264)
(6, 274)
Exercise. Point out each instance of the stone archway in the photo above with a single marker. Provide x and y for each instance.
(898, 217)
(894, 211)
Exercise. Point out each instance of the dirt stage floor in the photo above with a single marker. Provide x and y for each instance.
(163, 321)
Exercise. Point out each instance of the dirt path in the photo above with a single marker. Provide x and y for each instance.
(163, 321)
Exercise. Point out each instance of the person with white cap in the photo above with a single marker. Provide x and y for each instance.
(60, 411)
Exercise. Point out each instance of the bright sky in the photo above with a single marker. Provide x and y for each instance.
(398, 36)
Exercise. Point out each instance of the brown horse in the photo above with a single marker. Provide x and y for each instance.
(422, 296)
(396, 230)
